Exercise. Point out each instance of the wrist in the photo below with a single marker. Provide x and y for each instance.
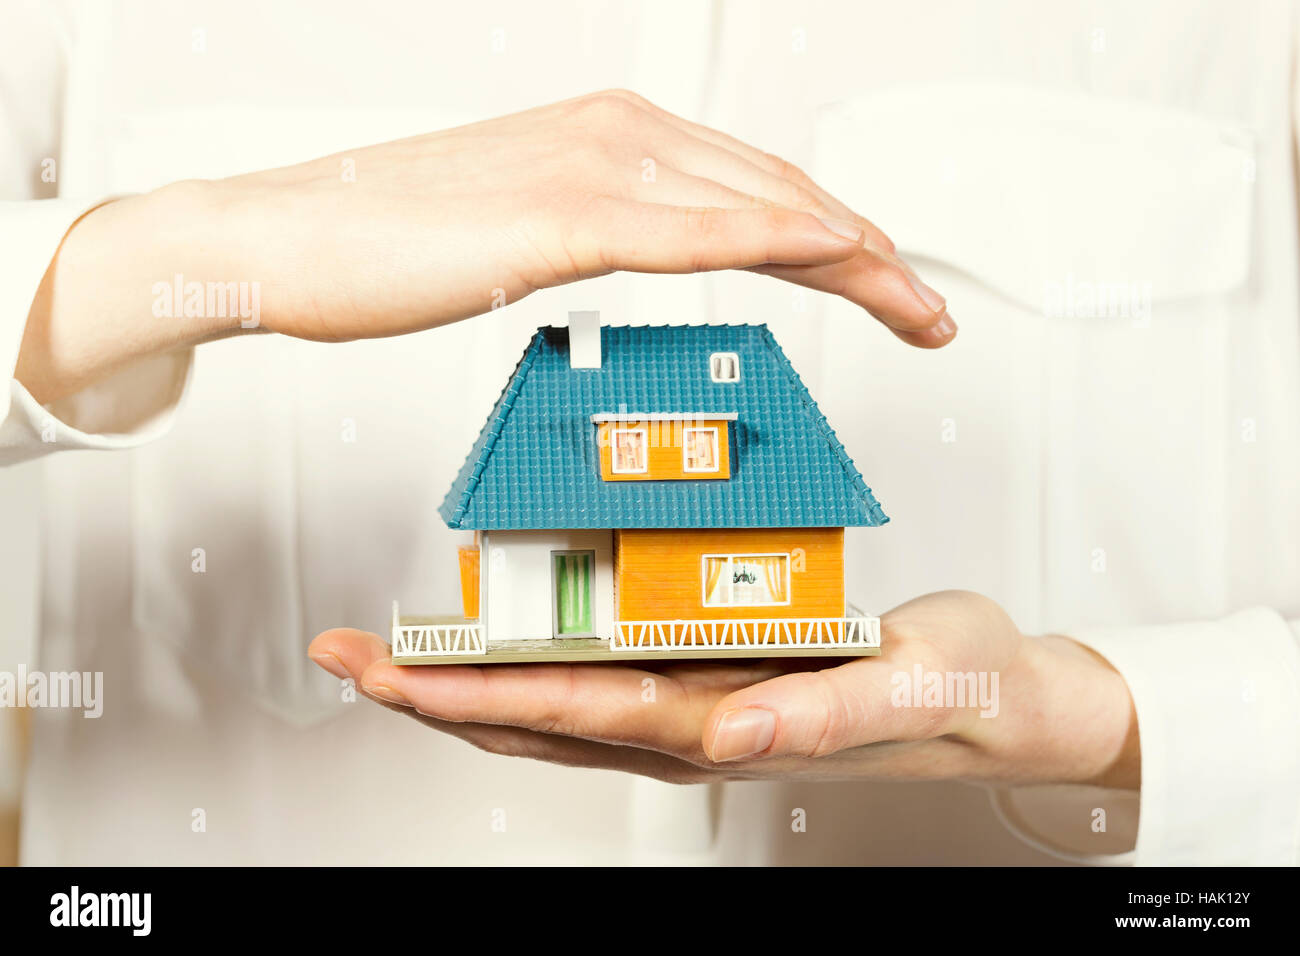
(1082, 724)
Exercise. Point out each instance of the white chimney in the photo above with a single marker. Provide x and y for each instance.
(584, 340)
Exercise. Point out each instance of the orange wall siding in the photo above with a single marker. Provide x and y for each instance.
(664, 450)
(469, 581)
(658, 574)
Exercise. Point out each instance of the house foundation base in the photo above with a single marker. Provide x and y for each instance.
(445, 636)
(594, 649)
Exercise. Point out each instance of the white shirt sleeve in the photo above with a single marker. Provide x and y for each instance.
(1218, 709)
(134, 406)
(139, 402)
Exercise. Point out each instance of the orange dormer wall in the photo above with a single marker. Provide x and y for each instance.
(664, 450)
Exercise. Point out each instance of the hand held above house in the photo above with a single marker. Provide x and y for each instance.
(456, 223)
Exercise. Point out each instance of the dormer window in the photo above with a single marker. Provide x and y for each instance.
(724, 367)
(630, 456)
(700, 450)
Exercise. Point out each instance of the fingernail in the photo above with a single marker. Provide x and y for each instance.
(743, 733)
(946, 326)
(331, 663)
(933, 300)
(844, 228)
(384, 692)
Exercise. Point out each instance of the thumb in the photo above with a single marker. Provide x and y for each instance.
(650, 237)
(807, 714)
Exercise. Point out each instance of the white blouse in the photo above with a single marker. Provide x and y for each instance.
(1109, 449)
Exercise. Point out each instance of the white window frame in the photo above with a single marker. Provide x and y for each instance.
(716, 361)
(613, 451)
(717, 450)
(731, 560)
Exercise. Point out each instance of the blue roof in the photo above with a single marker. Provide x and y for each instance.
(536, 464)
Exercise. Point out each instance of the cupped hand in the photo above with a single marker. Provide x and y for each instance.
(1034, 709)
(439, 227)
(416, 233)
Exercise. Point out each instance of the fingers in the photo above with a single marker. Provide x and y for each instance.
(615, 705)
(565, 751)
(673, 187)
(654, 237)
(812, 714)
(886, 288)
(765, 161)
(734, 171)
(700, 167)
(595, 702)
(935, 337)
(723, 166)
(348, 653)
(875, 279)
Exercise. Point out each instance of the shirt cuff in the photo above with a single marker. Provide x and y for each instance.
(1218, 710)
(134, 406)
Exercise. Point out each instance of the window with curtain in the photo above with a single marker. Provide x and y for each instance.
(746, 580)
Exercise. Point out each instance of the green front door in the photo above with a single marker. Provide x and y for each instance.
(571, 576)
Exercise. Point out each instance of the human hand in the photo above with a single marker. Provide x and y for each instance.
(451, 224)
(1057, 713)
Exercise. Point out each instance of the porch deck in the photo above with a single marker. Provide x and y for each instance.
(596, 649)
(453, 640)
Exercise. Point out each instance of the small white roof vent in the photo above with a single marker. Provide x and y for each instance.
(724, 367)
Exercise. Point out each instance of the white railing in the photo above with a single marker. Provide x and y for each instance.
(853, 631)
(424, 640)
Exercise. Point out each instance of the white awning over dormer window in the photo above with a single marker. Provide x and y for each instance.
(663, 417)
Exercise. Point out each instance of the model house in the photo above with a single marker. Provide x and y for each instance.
(641, 491)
